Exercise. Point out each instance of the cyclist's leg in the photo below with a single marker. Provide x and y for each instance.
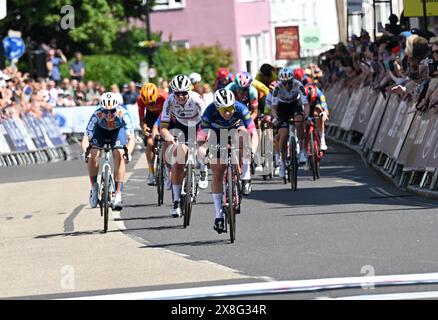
(150, 121)
(117, 142)
(217, 192)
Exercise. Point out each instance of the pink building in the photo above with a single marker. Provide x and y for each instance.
(240, 25)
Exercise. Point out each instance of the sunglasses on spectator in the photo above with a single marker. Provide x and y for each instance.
(109, 111)
(434, 51)
(181, 94)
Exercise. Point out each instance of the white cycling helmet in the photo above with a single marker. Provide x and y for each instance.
(285, 74)
(195, 77)
(223, 98)
(110, 100)
(180, 83)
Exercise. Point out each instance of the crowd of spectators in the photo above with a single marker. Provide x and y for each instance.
(400, 61)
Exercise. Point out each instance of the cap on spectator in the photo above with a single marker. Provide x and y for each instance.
(433, 40)
(125, 86)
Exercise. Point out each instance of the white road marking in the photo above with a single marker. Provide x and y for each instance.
(389, 296)
(274, 287)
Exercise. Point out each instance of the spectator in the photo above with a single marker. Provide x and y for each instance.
(115, 88)
(77, 67)
(131, 94)
(55, 59)
(207, 94)
(393, 28)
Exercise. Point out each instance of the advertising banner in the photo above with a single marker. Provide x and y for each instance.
(75, 119)
(35, 131)
(373, 124)
(351, 110)
(48, 123)
(4, 146)
(365, 110)
(287, 43)
(16, 141)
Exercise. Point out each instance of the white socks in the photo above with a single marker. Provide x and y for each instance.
(246, 174)
(176, 192)
(217, 199)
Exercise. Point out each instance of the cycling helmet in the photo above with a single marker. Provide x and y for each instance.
(180, 83)
(285, 74)
(149, 93)
(311, 93)
(195, 77)
(243, 79)
(299, 74)
(110, 100)
(223, 98)
(266, 69)
(222, 73)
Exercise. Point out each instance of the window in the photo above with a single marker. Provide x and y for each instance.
(169, 4)
(181, 44)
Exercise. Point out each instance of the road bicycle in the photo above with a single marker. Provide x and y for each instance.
(266, 149)
(107, 188)
(160, 169)
(232, 191)
(292, 161)
(314, 152)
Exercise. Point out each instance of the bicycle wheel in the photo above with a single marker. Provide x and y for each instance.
(312, 158)
(160, 178)
(293, 164)
(188, 196)
(231, 214)
(106, 199)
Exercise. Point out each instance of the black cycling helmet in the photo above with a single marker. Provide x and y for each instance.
(266, 69)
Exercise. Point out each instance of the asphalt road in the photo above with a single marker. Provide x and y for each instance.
(349, 223)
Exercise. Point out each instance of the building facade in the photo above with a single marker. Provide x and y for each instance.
(316, 19)
(240, 25)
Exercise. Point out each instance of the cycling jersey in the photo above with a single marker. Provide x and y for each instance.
(260, 78)
(282, 94)
(320, 99)
(268, 104)
(246, 96)
(154, 108)
(111, 122)
(212, 119)
(260, 87)
(189, 112)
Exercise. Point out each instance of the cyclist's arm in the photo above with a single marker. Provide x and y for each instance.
(165, 120)
(141, 114)
(129, 130)
(89, 132)
(260, 87)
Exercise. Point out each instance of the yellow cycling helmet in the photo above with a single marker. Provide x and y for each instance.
(149, 93)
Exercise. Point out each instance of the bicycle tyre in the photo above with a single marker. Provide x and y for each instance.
(160, 178)
(106, 199)
(312, 158)
(188, 196)
(293, 165)
(231, 214)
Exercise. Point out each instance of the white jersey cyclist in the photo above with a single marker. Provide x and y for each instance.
(190, 111)
(284, 95)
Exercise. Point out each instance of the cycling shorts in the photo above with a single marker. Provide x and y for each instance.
(117, 138)
(286, 111)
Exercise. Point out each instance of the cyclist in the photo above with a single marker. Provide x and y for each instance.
(266, 74)
(224, 114)
(150, 104)
(319, 108)
(185, 107)
(267, 118)
(289, 100)
(109, 122)
(224, 77)
(245, 93)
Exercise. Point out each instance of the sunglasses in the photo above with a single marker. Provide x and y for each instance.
(181, 94)
(109, 111)
(434, 51)
(227, 109)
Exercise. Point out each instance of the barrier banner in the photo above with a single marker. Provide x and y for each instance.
(75, 119)
(336, 114)
(384, 138)
(4, 146)
(16, 141)
(365, 110)
(48, 123)
(35, 131)
(351, 109)
(372, 127)
(408, 107)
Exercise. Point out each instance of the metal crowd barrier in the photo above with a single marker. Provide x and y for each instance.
(394, 136)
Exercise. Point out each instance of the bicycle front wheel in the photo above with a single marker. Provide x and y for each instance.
(106, 198)
(188, 196)
(231, 214)
(293, 164)
(312, 158)
(160, 178)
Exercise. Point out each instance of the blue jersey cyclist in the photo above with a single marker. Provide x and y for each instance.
(224, 114)
(112, 124)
